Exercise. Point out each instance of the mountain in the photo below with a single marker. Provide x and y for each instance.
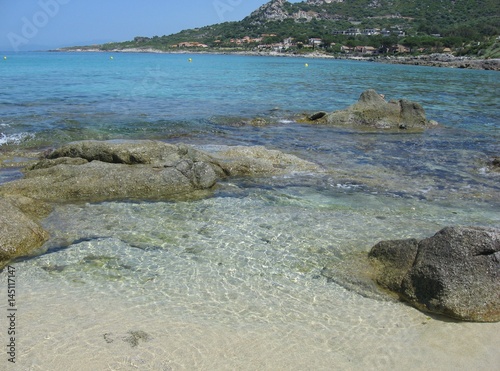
(418, 24)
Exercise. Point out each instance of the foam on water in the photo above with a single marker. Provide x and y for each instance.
(17, 138)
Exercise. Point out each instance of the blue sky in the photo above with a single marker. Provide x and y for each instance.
(43, 24)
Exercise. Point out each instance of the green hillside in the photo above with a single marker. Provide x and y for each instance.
(467, 27)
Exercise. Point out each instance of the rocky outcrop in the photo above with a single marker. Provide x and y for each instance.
(445, 60)
(20, 234)
(274, 10)
(258, 161)
(97, 171)
(454, 273)
(373, 111)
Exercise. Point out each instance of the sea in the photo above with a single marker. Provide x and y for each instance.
(235, 280)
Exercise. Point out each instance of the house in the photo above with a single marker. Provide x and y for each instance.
(366, 50)
(371, 31)
(315, 41)
(353, 32)
(400, 49)
(346, 49)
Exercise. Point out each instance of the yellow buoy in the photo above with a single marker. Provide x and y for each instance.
(4, 58)
(307, 64)
(111, 58)
(190, 60)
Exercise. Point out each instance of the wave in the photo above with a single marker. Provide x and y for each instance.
(14, 138)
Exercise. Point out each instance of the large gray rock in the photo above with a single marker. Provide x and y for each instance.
(19, 234)
(392, 260)
(373, 111)
(455, 273)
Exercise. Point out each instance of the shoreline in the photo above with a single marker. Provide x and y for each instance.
(427, 60)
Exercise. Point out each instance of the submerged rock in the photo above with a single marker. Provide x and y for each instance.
(373, 111)
(454, 273)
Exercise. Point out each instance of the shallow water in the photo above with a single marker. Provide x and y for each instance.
(231, 282)
(234, 281)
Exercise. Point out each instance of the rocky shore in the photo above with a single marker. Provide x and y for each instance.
(444, 60)
(429, 60)
(95, 171)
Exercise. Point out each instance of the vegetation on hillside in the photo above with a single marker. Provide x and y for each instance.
(467, 27)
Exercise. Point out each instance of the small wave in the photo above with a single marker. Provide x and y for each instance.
(347, 186)
(14, 138)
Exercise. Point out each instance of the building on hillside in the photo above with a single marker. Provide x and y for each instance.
(190, 44)
(366, 50)
(314, 41)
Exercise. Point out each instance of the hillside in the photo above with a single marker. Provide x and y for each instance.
(466, 27)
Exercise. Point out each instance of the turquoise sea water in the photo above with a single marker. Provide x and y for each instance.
(234, 281)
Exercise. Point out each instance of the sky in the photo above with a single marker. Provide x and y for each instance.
(49, 24)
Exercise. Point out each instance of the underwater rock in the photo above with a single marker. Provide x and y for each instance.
(454, 273)
(20, 235)
(373, 111)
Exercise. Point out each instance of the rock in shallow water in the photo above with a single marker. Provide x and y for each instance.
(19, 234)
(93, 171)
(373, 111)
(97, 171)
(454, 273)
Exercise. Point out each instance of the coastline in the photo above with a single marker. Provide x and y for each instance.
(427, 60)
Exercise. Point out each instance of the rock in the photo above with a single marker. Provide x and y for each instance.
(137, 152)
(495, 164)
(317, 115)
(35, 209)
(454, 273)
(19, 234)
(392, 260)
(373, 111)
(147, 170)
(259, 122)
(99, 181)
(258, 160)
(95, 171)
